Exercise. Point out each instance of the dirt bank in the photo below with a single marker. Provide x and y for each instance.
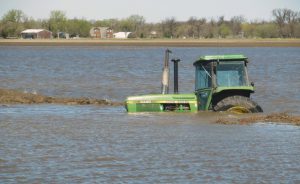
(156, 42)
(8, 96)
(274, 118)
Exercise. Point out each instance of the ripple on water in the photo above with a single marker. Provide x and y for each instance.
(92, 144)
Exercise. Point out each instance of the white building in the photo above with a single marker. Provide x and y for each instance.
(122, 35)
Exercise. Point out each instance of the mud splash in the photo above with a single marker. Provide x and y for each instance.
(283, 117)
(8, 96)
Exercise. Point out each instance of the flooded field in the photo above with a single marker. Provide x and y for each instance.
(59, 143)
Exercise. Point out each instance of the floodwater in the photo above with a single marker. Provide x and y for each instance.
(103, 144)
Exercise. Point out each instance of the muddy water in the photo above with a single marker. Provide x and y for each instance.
(92, 144)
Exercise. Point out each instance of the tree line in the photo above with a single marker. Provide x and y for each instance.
(285, 24)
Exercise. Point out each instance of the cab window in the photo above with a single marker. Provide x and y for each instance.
(231, 74)
(203, 76)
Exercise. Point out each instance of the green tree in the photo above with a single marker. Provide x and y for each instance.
(297, 30)
(134, 23)
(182, 30)
(79, 27)
(112, 23)
(30, 23)
(137, 23)
(224, 30)
(266, 30)
(248, 29)
(126, 26)
(57, 21)
(12, 23)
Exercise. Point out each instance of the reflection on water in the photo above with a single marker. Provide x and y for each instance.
(92, 144)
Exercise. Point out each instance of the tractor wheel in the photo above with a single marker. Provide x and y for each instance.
(238, 104)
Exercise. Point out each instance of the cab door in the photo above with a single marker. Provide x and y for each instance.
(203, 85)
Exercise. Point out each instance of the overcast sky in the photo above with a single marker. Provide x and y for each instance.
(152, 10)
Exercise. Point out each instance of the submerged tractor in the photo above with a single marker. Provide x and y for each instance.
(221, 84)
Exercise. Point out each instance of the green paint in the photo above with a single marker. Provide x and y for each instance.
(162, 103)
(245, 88)
(221, 57)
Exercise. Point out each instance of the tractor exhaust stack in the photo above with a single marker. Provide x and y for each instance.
(175, 61)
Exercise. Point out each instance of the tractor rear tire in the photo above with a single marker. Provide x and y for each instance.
(238, 104)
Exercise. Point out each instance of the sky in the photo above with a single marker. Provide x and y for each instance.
(152, 10)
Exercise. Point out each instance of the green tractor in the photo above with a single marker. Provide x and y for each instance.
(221, 84)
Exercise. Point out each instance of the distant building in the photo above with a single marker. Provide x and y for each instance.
(101, 32)
(122, 35)
(36, 34)
(153, 34)
(63, 35)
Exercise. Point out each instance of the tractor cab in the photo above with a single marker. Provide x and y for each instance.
(223, 77)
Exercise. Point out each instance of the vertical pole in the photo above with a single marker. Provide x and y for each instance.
(175, 61)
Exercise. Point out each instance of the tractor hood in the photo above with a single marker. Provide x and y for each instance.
(162, 102)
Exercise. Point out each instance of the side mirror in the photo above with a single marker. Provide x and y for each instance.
(252, 84)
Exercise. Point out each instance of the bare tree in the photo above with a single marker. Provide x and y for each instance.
(286, 21)
(191, 26)
(200, 26)
(291, 18)
(169, 27)
(221, 20)
(236, 24)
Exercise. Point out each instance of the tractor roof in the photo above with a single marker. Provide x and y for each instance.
(221, 58)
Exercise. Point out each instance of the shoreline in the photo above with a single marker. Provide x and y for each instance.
(155, 42)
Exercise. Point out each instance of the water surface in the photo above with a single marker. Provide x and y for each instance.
(93, 144)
